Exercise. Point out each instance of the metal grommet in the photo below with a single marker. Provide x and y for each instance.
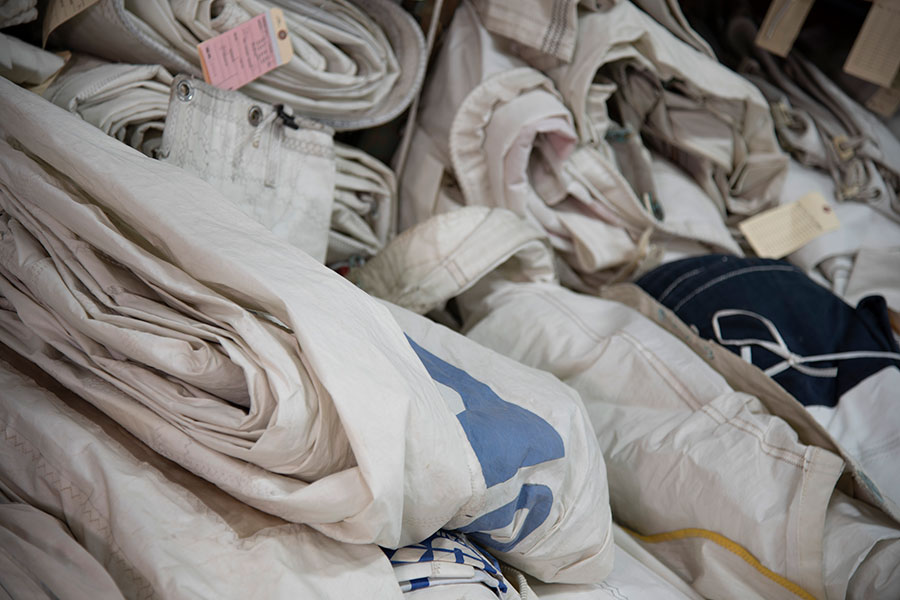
(255, 115)
(185, 91)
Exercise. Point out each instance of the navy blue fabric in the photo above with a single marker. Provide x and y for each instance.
(810, 318)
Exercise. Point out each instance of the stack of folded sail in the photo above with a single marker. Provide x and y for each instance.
(355, 65)
(331, 200)
(494, 131)
(240, 358)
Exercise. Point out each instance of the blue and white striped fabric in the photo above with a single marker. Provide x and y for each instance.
(415, 569)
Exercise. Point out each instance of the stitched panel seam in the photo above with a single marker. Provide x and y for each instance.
(727, 276)
(94, 519)
(777, 452)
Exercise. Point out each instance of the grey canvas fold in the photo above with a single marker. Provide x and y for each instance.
(16, 12)
(365, 202)
(546, 26)
(694, 111)
(26, 64)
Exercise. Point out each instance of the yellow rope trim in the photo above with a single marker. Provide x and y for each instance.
(729, 545)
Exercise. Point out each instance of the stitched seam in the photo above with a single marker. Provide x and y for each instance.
(302, 146)
(797, 531)
(654, 363)
(450, 264)
(91, 91)
(678, 280)
(96, 522)
(666, 373)
(569, 313)
(557, 24)
(306, 147)
(777, 452)
(727, 276)
(561, 28)
(550, 31)
(118, 11)
(500, 15)
(890, 443)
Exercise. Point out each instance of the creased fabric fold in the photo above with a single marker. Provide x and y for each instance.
(128, 102)
(365, 202)
(134, 273)
(696, 112)
(16, 12)
(150, 528)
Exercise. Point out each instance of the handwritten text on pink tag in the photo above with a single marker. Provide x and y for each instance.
(240, 55)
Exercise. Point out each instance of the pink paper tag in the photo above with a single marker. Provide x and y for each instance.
(237, 57)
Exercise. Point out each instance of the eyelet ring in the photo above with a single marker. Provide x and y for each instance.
(255, 115)
(184, 91)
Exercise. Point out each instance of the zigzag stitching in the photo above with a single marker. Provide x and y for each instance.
(141, 583)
